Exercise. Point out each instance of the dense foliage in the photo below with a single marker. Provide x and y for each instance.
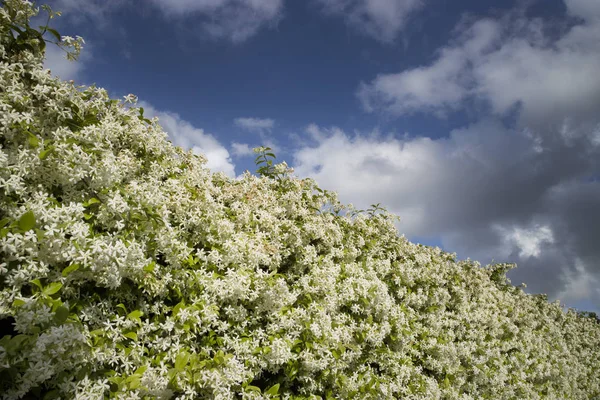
(128, 270)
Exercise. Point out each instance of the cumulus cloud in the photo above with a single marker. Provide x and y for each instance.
(586, 9)
(410, 173)
(56, 61)
(381, 19)
(507, 63)
(580, 284)
(89, 11)
(259, 125)
(484, 190)
(525, 191)
(434, 88)
(528, 240)
(241, 149)
(263, 127)
(236, 20)
(184, 134)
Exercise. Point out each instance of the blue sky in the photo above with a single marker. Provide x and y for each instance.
(475, 121)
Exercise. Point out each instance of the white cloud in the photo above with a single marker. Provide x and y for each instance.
(236, 20)
(267, 7)
(580, 285)
(433, 88)
(263, 127)
(57, 62)
(241, 149)
(259, 125)
(484, 191)
(529, 240)
(546, 82)
(381, 19)
(523, 197)
(509, 62)
(410, 174)
(82, 12)
(185, 135)
(586, 9)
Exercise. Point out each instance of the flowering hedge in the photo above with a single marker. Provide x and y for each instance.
(128, 270)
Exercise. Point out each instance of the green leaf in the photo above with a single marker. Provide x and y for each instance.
(61, 315)
(122, 307)
(446, 383)
(251, 388)
(54, 33)
(131, 335)
(56, 303)
(90, 119)
(27, 221)
(33, 140)
(18, 303)
(51, 395)
(69, 269)
(135, 383)
(16, 341)
(37, 283)
(178, 307)
(74, 124)
(91, 201)
(141, 370)
(273, 390)
(44, 153)
(135, 315)
(40, 234)
(150, 267)
(52, 288)
(4, 222)
(16, 28)
(181, 361)
(219, 358)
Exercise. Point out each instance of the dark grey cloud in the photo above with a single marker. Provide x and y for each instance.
(524, 192)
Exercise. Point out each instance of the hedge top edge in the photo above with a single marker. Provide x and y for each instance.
(128, 270)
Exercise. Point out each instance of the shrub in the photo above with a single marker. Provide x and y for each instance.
(128, 270)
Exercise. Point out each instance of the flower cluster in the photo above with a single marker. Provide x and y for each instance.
(128, 270)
